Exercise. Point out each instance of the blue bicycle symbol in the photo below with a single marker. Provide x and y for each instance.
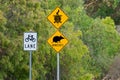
(30, 38)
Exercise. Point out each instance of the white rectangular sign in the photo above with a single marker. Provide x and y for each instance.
(30, 41)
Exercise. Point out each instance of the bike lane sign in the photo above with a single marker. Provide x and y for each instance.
(30, 41)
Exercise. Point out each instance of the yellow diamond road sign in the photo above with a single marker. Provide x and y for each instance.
(57, 17)
(57, 41)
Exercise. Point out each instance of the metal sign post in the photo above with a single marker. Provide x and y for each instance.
(58, 67)
(57, 40)
(30, 65)
(30, 44)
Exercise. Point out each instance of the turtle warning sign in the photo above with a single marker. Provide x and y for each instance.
(57, 41)
(57, 17)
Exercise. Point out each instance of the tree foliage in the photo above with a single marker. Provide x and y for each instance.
(103, 8)
(103, 42)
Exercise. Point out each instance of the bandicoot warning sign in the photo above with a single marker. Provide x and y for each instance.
(57, 41)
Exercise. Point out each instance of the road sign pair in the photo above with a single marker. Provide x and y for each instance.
(57, 18)
(57, 41)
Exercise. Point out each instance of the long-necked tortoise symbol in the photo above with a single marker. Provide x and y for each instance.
(57, 17)
(57, 39)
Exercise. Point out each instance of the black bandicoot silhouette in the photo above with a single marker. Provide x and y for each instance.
(57, 39)
(57, 17)
(30, 38)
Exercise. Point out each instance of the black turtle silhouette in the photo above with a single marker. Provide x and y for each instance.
(57, 17)
(57, 38)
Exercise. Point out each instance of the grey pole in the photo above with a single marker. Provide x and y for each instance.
(30, 66)
(58, 67)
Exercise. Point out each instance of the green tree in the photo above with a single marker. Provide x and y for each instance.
(103, 8)
(103, 42)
